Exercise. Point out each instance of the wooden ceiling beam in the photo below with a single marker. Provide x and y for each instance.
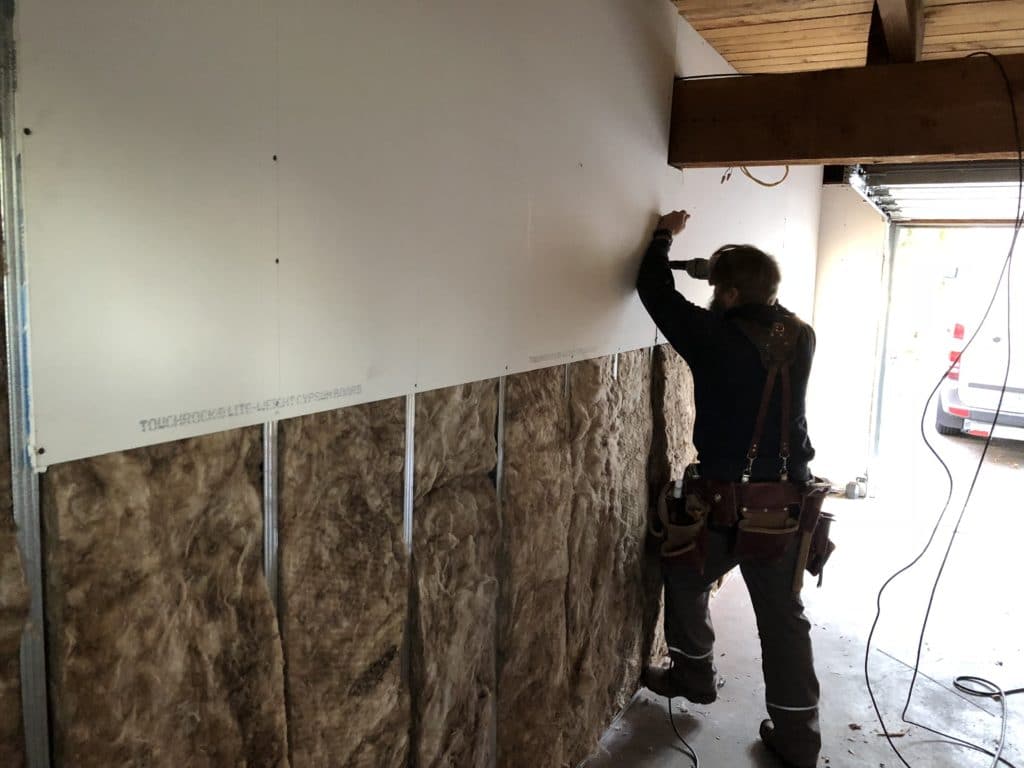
(954, 109)
(902, 22)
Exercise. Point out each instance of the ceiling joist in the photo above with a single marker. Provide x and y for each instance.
(902, 24)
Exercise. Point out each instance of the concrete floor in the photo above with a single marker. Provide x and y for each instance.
(975, 628)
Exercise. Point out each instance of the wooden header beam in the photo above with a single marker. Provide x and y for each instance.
(954, 109)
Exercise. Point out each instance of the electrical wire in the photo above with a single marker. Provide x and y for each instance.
(689, 751)
(964, 683)
(746, 172)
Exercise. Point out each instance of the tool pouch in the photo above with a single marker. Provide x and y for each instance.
(769, 520)
(818, 524)
(719, 496)
(821, 546)
(681, 525)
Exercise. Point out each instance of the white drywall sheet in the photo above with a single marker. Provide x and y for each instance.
(241, 211)
(149, 206)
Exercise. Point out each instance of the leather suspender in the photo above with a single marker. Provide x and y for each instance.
(777, 347)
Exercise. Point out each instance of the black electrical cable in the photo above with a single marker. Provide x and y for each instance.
(962, 683)
(689, 751)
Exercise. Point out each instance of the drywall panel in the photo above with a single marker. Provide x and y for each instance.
(467, 192)
(239, 212)
(147, 145)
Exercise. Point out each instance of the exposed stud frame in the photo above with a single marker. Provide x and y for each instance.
(24, 480)
(270, 516)
(410, 461)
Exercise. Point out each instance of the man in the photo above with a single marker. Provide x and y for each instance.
(723, 347)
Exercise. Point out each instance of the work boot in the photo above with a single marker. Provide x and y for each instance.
(777, 748)
(683, 678)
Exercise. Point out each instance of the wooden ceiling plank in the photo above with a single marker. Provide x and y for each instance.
(978, 38)
(978, 17)
(754, 46)
(940, 3)
(793, 25)
(940, 54)
(768, 69)
(753, 20)
(846, 50)
(754, 65)
(784, 32)
(805, 118)
(736, 8)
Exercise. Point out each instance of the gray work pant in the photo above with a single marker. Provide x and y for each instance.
(791, 686)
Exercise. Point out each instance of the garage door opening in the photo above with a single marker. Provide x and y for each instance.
(948, 322)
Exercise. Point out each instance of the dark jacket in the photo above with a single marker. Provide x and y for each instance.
(728, 377)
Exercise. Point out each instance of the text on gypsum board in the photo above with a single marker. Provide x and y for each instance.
(245, 409)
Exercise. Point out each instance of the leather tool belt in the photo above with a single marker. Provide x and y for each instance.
(763, 521)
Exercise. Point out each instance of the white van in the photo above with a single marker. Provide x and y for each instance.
(969, 396)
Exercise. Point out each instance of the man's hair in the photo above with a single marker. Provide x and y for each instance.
(752, 272)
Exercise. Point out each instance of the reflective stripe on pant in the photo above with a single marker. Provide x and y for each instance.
(791, 686)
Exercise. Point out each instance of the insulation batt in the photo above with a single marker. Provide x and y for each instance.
(344, 586)
(163, 646)
(14, 600)
(456, 535)
(533, 683)
(14, 596)
(610, 433)
(672, 450)
(575, 622)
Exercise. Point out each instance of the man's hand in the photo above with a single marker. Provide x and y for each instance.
(674, 222)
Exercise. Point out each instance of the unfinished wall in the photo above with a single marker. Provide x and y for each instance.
(527, 625)
(455, 585)
(14, 596)
(162, 641)
(344, 586)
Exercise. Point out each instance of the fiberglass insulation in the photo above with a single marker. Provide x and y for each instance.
(14, 600)
(14, 597)
(610, 425)
(671, 451)
(571, 612)
(162, 641)
(456, 536)
(344, 586)
(533, 682)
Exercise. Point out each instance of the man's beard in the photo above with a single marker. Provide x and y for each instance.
(716, 306)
